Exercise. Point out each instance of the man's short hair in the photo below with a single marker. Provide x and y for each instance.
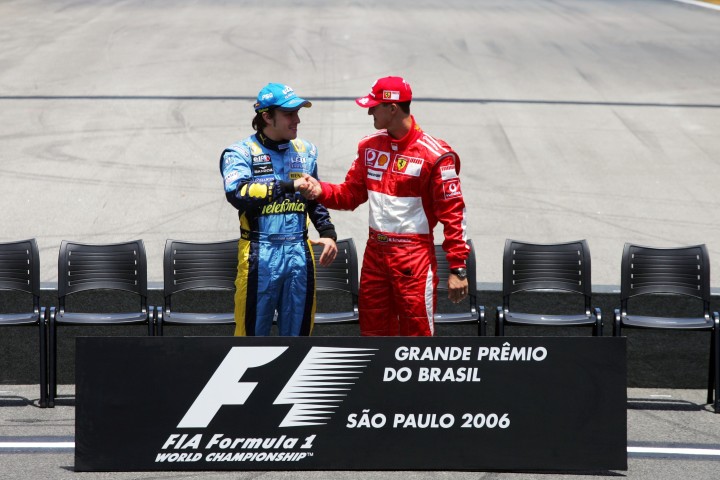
(404, 106)
(259, 123)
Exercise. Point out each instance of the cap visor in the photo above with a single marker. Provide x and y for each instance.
(295, 104)
(366, 102)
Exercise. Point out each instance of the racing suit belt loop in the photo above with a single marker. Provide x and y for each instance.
(290, 237)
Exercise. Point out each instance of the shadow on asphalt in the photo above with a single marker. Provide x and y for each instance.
(663, 404)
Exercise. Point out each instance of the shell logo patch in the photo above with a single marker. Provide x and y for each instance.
(377, 159)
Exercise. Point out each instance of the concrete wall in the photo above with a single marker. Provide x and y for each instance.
(655, 358)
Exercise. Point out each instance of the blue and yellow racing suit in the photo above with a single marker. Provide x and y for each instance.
(276, 269)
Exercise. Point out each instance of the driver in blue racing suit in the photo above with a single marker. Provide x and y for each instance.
(261, 173)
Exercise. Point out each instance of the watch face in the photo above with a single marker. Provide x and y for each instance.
(460, 272)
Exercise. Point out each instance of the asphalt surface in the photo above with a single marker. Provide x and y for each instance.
(595, 119)
(671, 434)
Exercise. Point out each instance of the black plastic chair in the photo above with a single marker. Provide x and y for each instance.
(473, 313)
(681, 271)
(554, 267)
(20, 271)
(92, 267)
(341, 275)
(197, 266)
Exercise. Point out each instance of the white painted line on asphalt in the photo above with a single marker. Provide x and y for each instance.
(29, 445)
(645, 450)
(699, 3)
(675, 451)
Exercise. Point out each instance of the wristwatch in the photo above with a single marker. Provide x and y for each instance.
(460, 272)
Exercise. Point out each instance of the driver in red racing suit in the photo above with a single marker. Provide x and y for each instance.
(411, 181)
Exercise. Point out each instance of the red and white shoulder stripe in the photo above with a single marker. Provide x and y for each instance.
(433, 145)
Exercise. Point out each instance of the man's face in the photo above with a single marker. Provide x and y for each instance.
(382, 114)
(282, 125)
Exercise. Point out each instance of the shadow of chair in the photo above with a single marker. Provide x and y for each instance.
(120, 267)
(685, 271)
(472, 313)
(197, 266)
(561, 267)
(340, 276)
(20, 272)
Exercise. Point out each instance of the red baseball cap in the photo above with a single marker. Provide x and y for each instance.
(386, 90)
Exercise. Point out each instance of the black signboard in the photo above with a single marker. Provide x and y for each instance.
(321, 403)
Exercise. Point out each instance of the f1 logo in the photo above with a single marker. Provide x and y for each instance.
(309, 390)
(223, 388)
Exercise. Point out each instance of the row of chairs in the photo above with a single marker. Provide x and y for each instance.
(192, 265)
(566, 267)
(186, 266)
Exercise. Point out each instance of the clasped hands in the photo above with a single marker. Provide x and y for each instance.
(308, 187)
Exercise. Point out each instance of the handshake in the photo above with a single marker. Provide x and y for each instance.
(308, 187)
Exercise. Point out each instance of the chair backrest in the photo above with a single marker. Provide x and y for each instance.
(342, 274)
(472, 314)
(20, 268)
(443, 269)
(555, 266)
(198, 265)
(680, 270)
(118, 266)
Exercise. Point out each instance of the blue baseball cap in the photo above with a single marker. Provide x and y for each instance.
(277, 95)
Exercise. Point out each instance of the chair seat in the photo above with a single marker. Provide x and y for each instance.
(678, 323)
(336, 317)
(71, 318)
(456, 317)
(19, 318)
(198, 318)
(547, 319)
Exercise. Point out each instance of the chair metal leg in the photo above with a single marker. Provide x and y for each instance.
(482, 322)
(716, 359)
(711, 369)
(52, 360)
(159, 321)
(499, 322)
(598, 327)
(617, 324)
(42, 327)
(151, 321)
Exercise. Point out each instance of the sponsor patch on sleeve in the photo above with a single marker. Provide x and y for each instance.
(448, 172)
(231, 177)
(451, 188)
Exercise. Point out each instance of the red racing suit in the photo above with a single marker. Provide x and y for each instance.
(411, 184)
